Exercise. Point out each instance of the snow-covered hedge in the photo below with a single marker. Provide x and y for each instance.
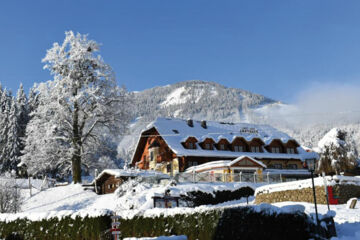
(225, 223)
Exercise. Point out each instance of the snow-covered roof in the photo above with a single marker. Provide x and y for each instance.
(217, 131)
(133, 173)
(221, 164)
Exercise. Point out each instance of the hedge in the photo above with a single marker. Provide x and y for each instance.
(199, 198)
(231, 223)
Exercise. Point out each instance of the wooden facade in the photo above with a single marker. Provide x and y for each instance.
(108, 183)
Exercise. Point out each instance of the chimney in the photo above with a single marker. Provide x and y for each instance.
(190, 123)
(203, 124)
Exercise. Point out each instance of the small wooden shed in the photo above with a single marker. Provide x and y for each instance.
(110, 179)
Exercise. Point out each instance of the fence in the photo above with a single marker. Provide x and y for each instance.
(28, 183)
(231, 177)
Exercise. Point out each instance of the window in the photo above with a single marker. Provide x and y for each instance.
(291, 166)
(151, 156)
(290, 150)
(168, 168)
(191, 145)
(222, 147)
(238, 148)
(276, 166)
(275, 150)
(255, 148)
(207, 146)
(192, 163)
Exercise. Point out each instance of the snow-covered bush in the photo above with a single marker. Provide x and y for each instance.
(10, 198)
(337, 153)
(131, 194)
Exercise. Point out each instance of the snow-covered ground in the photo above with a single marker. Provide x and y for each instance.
(61, 201)
(73, 200)
(130, 199)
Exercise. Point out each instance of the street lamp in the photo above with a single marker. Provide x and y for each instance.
(311, 167)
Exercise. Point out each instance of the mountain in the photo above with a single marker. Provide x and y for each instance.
(198, 100)
(211, 101)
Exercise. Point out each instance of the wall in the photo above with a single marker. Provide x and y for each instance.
(115, 182)
(344, 192)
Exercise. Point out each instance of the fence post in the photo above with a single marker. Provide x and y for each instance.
(268, 178)
(30, 187)
(240, 176)
(254, 177)
(280, 178)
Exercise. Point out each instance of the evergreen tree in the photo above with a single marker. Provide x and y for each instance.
(4, 124)
(22, 116)
(11, 151)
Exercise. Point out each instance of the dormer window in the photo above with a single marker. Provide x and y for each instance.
(290, 150)
(208, 144)
(222, 144)
(275, 150)
(238, 148)
(191, 145)
(255, 149)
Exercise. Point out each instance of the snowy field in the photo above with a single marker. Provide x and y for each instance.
(73, 200)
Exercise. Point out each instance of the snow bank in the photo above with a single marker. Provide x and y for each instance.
(319, 181)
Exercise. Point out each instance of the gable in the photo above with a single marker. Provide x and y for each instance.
(246, 162)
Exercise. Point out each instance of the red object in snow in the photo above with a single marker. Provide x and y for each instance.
(332, 199)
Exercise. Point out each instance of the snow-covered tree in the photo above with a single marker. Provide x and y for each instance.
(46, 149)
(80, 104)
(23, 115)
(10, 197)
(11, 150)
(4, 129)
(337, 153)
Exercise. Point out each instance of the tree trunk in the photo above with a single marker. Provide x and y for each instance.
(76, 168)
(76, 156)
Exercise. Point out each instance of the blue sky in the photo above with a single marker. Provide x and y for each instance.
(275, 48)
